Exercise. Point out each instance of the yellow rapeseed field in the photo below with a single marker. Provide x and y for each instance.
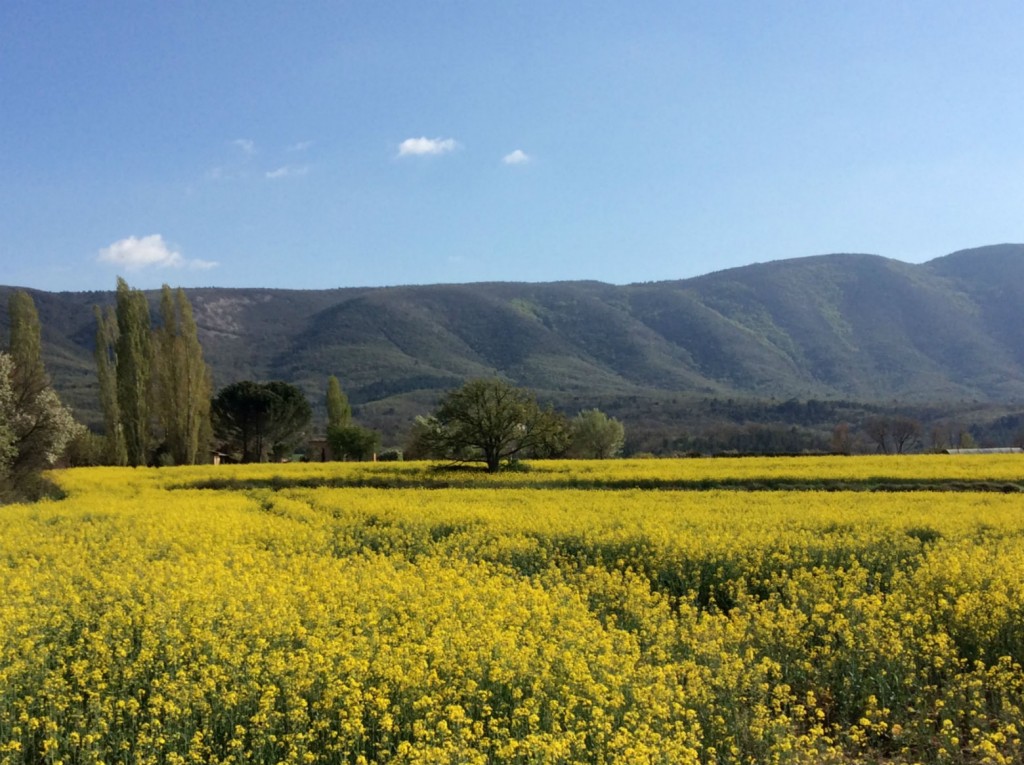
(304, 614)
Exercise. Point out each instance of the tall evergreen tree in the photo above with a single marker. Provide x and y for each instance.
(181, 379)
(134, 359)
(339, 412)
(106, 371)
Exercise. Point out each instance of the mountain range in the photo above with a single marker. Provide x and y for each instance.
(849, 327)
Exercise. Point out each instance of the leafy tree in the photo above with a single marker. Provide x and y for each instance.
(347, 440)
(352, 442)
(35, 427)
(290, 417)
(339, 412)
(260, 420)
(8, 442)
(133, 374)
(240, 412)
(106, 372)
(491, 421)
(86, 449)
(595, 435)
(181, 379)
(29, 375)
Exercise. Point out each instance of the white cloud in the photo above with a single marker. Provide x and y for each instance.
(287, 171)
(517, 157)
(247, 145)
(413, 147)
(300, 146)
(135, 253)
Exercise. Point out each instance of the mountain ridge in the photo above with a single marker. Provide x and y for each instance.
(843, 326)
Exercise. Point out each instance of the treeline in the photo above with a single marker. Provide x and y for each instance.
(157, 398)
(673, 427)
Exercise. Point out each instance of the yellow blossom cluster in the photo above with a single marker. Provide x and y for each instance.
(269, 619)
(876, 471)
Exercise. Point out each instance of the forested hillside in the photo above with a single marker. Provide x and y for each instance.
(834, 329)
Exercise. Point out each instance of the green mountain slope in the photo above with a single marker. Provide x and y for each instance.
(852, 327)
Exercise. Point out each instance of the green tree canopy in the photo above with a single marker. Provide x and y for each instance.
(26, 348)
(35, 427)
(8, 441)
(491, 421)
(594, 435)
(257, 421)
(353, 442)
(181, 380)
(134, 370)
(339, 412)
(106, 373)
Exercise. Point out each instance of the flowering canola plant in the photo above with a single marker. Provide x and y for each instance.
(284, 615)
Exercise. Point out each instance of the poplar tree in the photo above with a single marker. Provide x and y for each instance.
(8, 438)
(29, 378)
(106, 371)
(35, 427)
(134, 359)
(181, 379)
(339, 413)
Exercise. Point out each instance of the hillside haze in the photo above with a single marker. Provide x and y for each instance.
(851, 327)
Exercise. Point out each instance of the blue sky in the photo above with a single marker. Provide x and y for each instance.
(332, 144)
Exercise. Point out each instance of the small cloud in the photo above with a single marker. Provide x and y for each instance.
(300, 146)
(517, 157)
(415, 147)
(135, 253)
(287, 171)
(247, 145)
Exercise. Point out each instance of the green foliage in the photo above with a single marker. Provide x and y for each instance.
(29, 375)
(339, 412)
(115, 452)
(595, 435)
(8, 442)
(86, 449)
(133, 371)
(260, 421)
(491, 421)
(181, 380)
(846, 327)
(352, 442)
(35, 427)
